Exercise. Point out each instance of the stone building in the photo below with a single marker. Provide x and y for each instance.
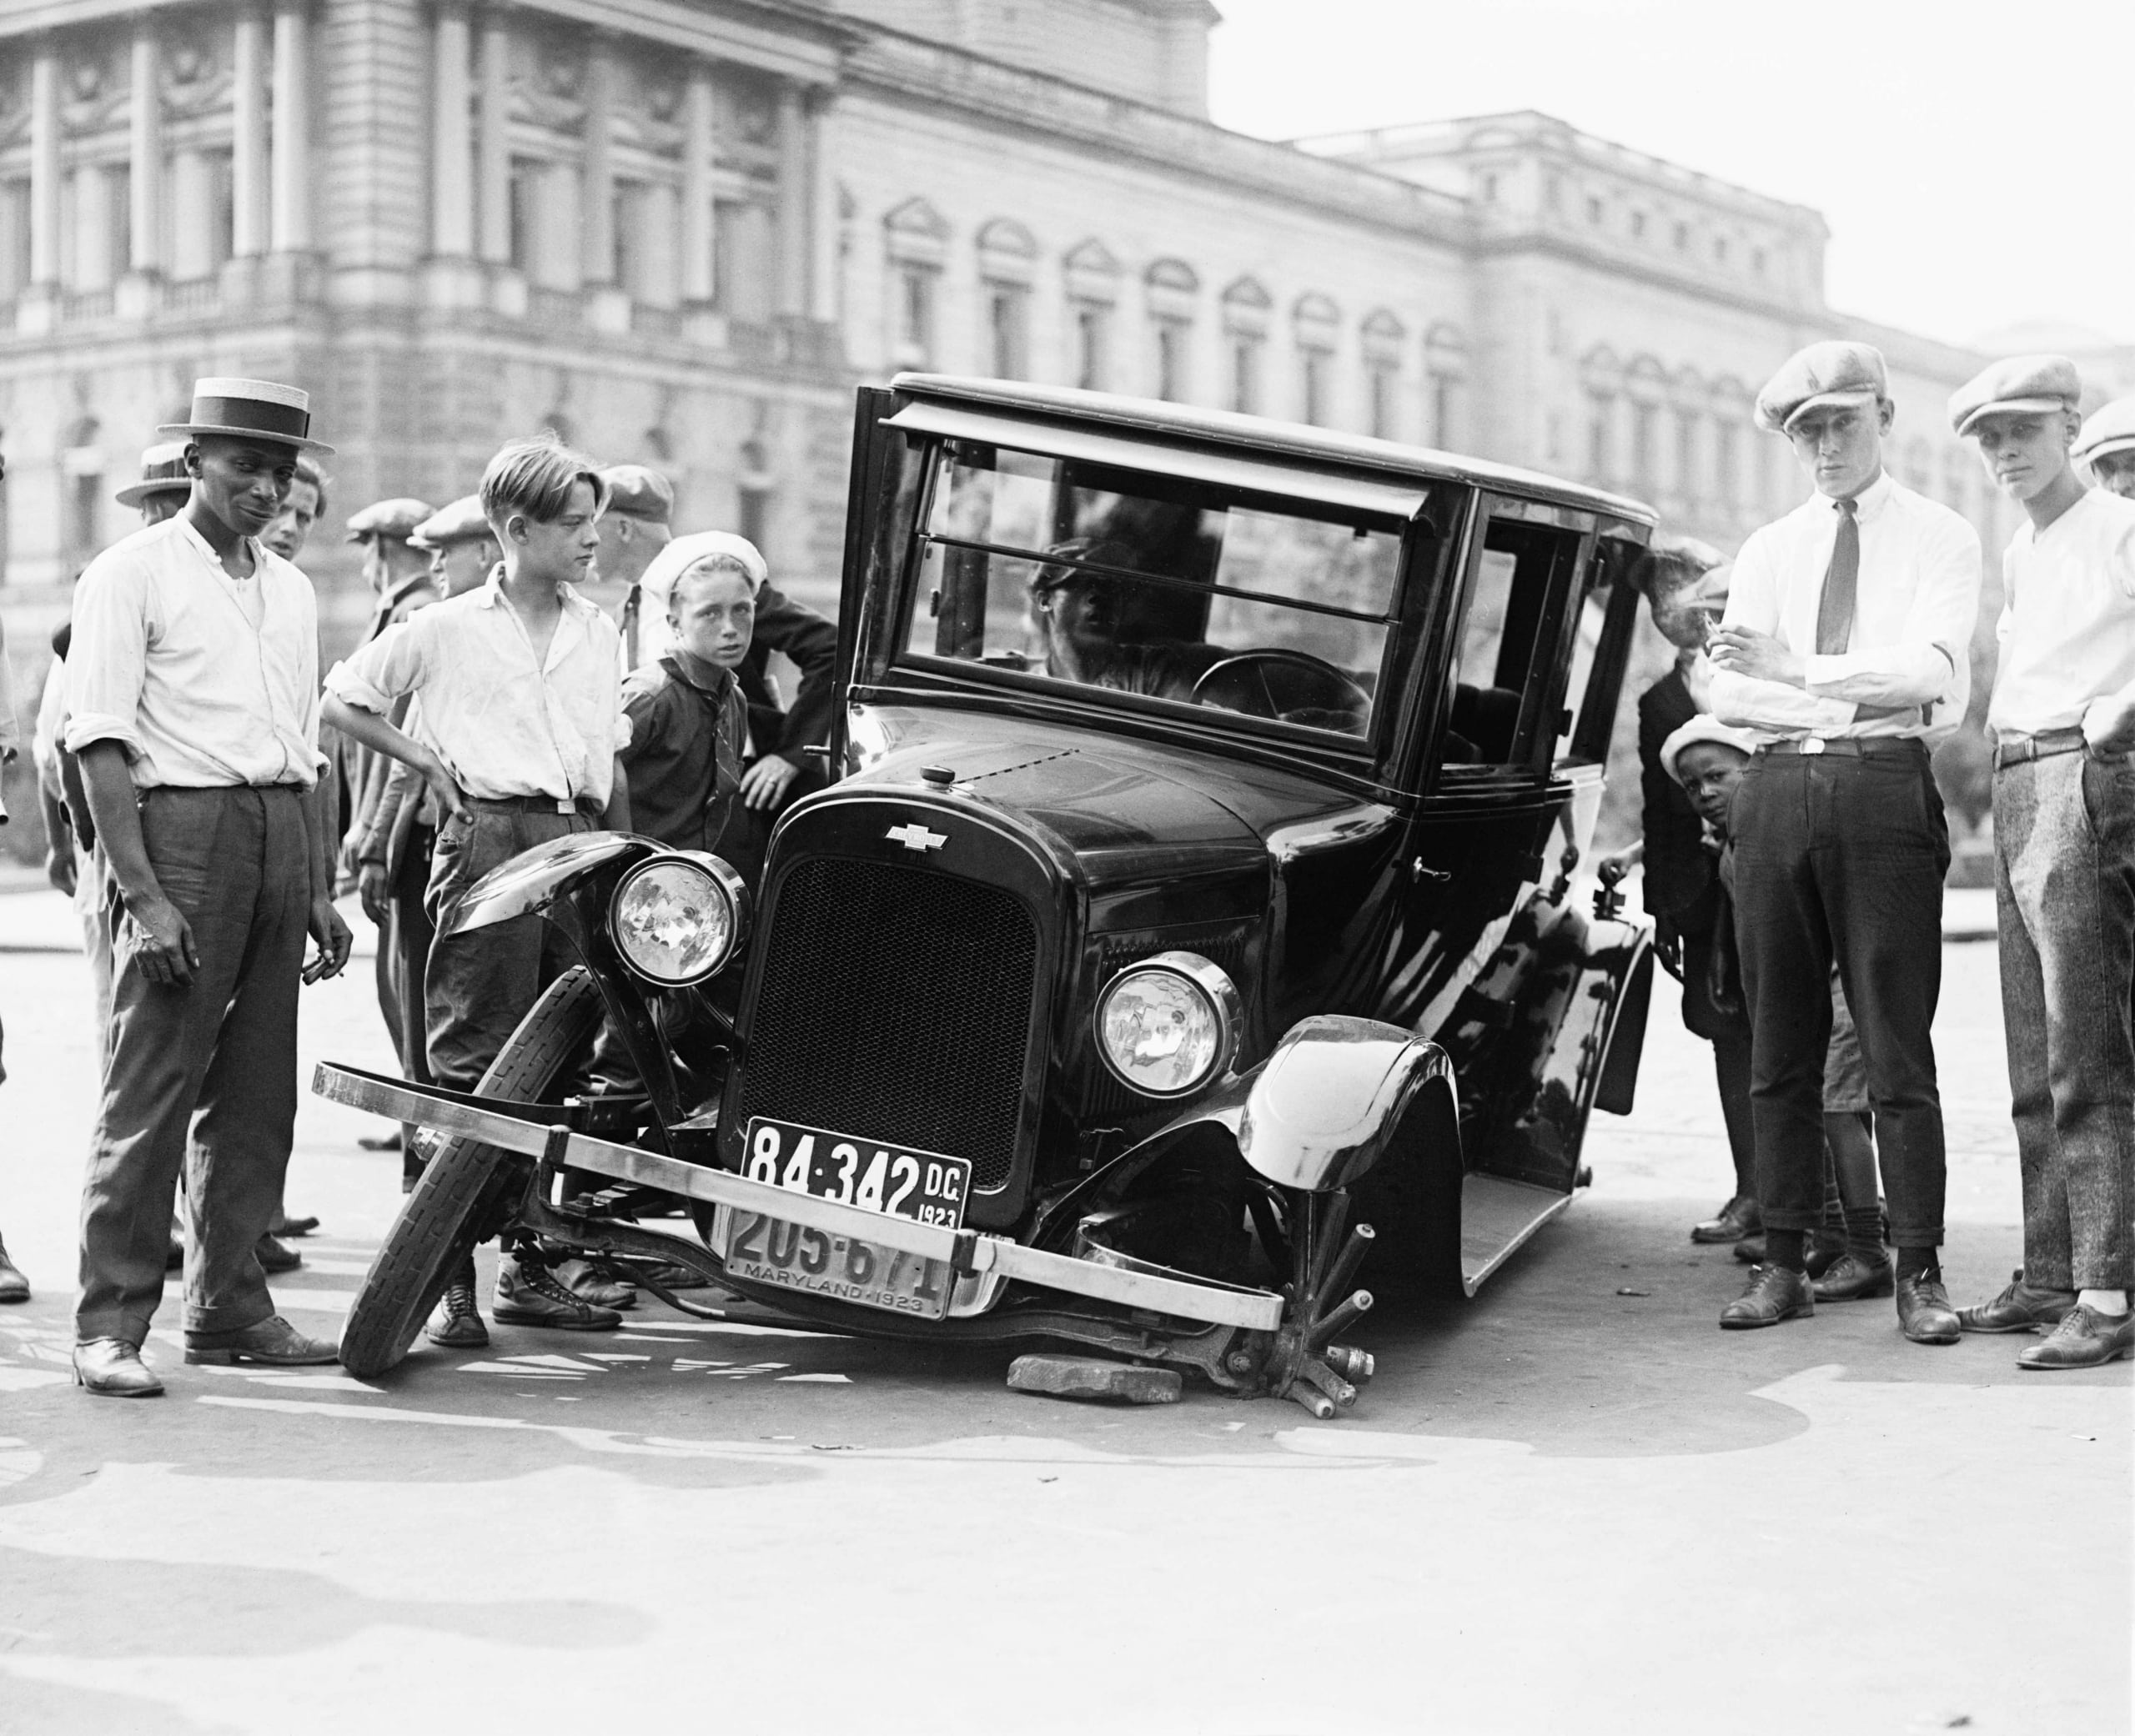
(680, 231)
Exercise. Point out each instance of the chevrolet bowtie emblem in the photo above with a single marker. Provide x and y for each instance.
(915, 836)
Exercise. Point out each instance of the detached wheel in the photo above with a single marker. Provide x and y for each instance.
(466, 1182)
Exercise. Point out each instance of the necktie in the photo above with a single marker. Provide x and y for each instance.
(1842, 581)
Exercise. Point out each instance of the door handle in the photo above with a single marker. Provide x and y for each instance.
(1420, 869)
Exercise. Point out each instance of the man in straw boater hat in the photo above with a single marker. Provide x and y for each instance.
(163, 485)
(192, 695)
(1847, 646)
(2063, 722)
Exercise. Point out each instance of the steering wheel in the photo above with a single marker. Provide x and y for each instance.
(1290, 686)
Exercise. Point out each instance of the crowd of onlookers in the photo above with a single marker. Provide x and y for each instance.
(1795, 849)
(209, 794)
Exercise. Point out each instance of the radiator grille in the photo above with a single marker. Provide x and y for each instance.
(895, 1004)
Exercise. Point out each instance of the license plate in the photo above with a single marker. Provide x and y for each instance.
(925, 1187)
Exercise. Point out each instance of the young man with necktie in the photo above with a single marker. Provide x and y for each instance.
(2063, 723)
(1847, 644)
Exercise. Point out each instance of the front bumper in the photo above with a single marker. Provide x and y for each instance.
(533, 1131)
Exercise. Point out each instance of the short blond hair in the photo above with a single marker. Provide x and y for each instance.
(535, 477)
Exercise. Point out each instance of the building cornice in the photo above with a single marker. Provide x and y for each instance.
(1615, 262)
(932, 76)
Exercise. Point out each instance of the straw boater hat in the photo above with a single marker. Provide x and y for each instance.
(2110, 432)
(250, 409)
(163, 472)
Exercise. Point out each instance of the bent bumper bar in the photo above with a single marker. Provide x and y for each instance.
(532, 1130)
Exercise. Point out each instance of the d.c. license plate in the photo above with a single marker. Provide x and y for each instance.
(924, 1186)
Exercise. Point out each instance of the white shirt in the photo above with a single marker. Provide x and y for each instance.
(165, 660)
(1915, 603)
(2067, 631)
(506, 723)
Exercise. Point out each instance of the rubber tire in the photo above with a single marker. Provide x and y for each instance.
(461, 1183)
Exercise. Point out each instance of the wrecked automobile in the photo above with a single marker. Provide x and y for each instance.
(1191, 926)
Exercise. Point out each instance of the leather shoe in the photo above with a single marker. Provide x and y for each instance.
(589, 1283)
(13, 1286)
(285, 1225)
(1740, 1217)
(2020, 1308)
(2084, 1339)
(1925, 1315)
(112, 1368)
(1750, 1249)
(273, 1342)
(275, 1256)
(457, 1325)
(1822, 1253)
(1774, 1294)
(528, 1294)
(1851, 1278)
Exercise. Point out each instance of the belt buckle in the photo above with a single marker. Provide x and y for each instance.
(1812, 744)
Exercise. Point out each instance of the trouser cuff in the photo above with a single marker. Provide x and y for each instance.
(1787, 1217)
(1904, 1235)
(227, 1319)
(112, 1323)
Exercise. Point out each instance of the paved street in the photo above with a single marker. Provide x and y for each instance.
(1571, 1505)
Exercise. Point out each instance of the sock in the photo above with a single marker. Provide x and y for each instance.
(1784, 1247)
(2104, 1302)
(1918, 1263)
(1864, 1234)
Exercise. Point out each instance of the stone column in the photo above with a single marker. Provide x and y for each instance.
(145, 151)
(452, 226)
(249, 135)
(93, 265)
(794, 242)
(45, 186)
(823, 213)
(493, 146)
(192, 216)
(699, 145)
(597, 215)
(292, 158)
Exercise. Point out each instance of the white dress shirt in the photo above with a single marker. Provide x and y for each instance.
(504, 722)
(166, 660)
(1915, 603)
(2067, 631)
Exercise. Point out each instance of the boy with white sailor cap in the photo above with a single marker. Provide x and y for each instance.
(192, 703)
(1847, 643)
(2063, 721)
(2106, 446)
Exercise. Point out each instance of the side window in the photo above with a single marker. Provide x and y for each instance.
(1505, 662)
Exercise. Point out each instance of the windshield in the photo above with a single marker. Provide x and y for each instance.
(1051, 570)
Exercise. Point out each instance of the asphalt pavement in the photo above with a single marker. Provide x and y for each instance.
(1572, 1504)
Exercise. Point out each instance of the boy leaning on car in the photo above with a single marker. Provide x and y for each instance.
(520, 732)
(2063, 722)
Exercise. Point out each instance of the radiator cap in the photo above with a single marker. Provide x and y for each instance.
(940, 776)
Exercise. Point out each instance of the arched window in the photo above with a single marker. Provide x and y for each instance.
(1246, 308)
(1316, 324)
(1173, 289)
(1093, 278)
(1445, 375)
(1384, 339)
(1008, 256)
(916, 240)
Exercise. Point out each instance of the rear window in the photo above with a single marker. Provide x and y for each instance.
(1056, 570)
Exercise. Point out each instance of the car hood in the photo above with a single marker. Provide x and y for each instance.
(1124, 810)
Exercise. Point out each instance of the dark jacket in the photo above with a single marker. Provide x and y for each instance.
(811, 642)
(1682, 881)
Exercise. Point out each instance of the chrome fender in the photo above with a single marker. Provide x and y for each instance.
(529, 883)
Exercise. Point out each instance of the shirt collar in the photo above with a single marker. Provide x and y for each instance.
(492, 594)
(187, 530)
(680, 667)
(1870, 501)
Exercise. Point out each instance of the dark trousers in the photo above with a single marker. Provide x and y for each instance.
(1728, 1030)
(479, 985)
(403, 952)
(2064, 883)
(1839, 858)
(222, 1048)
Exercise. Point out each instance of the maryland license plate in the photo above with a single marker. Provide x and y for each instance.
(924, 1186)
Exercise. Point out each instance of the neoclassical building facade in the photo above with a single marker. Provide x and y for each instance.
(679, 232)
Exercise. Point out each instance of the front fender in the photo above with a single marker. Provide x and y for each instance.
(529, 883)
(1330, 1102)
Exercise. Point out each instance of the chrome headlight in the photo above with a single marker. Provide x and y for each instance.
(679, 919)
(1169, 1025)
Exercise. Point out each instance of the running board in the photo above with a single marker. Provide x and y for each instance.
(514, 1128)
(1496, 1216)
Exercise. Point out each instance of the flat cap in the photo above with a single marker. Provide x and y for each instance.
(163, 472)
(1705, 727)
(2110, 429)
(2022, 384)
(396, 518)
(637, 493)
(1830, 372)
(461, 521)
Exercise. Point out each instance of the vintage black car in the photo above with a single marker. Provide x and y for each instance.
(1198, 881)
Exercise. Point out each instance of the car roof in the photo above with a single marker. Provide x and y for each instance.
(1288, 440)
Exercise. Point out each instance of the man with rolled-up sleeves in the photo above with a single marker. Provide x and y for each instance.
(1847, 639)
